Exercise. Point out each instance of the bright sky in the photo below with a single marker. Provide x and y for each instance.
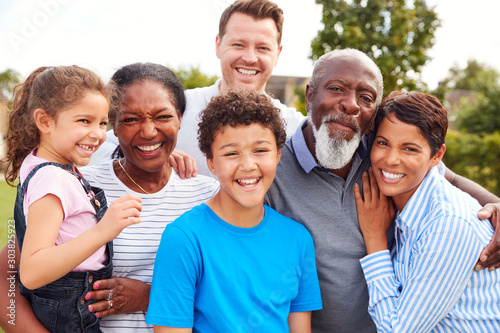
(105, 35)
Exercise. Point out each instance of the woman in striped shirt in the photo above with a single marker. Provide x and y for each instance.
(427, 282)
(146, 120)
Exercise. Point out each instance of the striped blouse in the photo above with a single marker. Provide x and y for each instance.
(427, 282)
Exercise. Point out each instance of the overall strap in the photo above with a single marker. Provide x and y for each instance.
(96, 196)
(89, 190)
(19, 218)
(24, 186)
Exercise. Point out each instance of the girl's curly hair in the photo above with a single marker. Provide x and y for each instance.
(52, 89)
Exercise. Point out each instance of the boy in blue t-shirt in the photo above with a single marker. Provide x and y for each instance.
(234, 264)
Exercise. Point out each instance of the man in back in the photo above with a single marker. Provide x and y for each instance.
(248, 45)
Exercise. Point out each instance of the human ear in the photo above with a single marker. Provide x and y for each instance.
(438, 157)
(210, 164)
(43, 120)
(308, 97)
(280, 47)
(218, 40)
(278, 156)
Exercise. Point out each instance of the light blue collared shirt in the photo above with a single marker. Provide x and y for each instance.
(427, 283)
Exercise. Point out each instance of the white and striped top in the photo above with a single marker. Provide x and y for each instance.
(427, 283)
(135, 248)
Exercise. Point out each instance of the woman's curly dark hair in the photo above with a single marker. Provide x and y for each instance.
(238, 108)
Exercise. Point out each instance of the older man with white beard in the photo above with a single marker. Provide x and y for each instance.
(315, 179)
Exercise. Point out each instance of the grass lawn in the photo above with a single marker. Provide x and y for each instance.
(7, 198)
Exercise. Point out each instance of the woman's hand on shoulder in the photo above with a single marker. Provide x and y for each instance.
(127, 295)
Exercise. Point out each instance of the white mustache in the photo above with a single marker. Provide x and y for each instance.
(341, 118)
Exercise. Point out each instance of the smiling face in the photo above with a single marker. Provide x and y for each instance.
(146, 126)
(347, 91)
(75, 134)
(340, 109)
(248, 52)
(244, 160)
(401, 158)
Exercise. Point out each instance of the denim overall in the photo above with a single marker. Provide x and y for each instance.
(61, 306)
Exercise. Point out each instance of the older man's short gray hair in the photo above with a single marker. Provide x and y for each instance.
(319, 71)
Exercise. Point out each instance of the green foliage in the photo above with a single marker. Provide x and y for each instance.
(475, 76)
(475, 157)
(192, 77)
(8, 80)
(7, 199)
(472, 150)
(480, 112)
(482, 115)
(396, 34)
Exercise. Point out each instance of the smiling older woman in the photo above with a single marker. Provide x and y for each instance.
(146, 120)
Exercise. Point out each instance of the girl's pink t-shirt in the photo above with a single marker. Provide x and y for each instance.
(79, 214)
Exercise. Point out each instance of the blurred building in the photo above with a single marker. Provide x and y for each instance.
(284, 87)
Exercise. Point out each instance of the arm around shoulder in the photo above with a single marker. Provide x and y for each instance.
(490, 256)
(478, 192)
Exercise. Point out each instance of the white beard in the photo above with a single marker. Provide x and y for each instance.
(334, 153)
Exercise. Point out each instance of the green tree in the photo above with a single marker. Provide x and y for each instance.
(8, 80)
(475, 157)
(192, 77)
(482, 115)
(475, 76)
(472, 149)
(478, 111)
(395, 34)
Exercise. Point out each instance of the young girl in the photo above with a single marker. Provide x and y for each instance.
(428, 282)
(58, 120)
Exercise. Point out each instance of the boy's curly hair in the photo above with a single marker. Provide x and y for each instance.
(238, 108)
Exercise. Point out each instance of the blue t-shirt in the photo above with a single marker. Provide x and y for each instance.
(216, 277)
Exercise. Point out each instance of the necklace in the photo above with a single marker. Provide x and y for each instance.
(133, 181)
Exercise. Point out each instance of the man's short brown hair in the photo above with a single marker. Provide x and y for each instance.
(258, 9)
